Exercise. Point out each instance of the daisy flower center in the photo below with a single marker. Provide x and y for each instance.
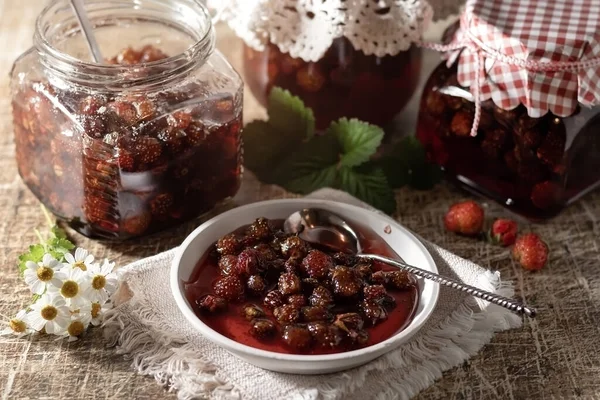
(96, 307)
(80, 265)
(44, 273)
(98, 282)
(49, 313)
(17, 325)
(69, 289)
(75, 328)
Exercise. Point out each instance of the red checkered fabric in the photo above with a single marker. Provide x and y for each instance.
(542, 54)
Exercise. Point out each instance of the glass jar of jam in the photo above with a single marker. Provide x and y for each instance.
(532, 144)
(344, 83)
(141, 142)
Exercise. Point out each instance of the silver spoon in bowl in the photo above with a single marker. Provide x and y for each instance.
(328, 229)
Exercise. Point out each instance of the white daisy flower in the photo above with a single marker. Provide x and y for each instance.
(44, 274)
(73, 287)
(50, 312)
(98, 311)
(19, 325)
(79, 323)
(82, 259)
(103, 283)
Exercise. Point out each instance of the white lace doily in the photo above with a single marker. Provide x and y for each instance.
(307, 28)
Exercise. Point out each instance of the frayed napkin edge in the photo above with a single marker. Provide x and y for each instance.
(175, 364)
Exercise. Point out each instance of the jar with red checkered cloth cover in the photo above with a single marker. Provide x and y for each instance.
(513, 113)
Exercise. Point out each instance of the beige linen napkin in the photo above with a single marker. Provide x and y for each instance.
(147, 326)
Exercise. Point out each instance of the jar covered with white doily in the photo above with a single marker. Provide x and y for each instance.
(514, 111)
(343, 58)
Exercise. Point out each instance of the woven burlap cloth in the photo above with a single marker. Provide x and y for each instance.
(147, 326)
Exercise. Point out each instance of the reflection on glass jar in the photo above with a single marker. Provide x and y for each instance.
(344, 83)
(144, 142)
(534, 166)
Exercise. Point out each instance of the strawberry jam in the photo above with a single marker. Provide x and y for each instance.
(123, 163)
(343, 83)
(273, 291)
(533, 166)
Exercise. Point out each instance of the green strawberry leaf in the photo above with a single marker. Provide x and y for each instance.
(407, 164)
(426, 176)
(289, 115)
(359, 140)
(309, 167)
(368, 184)
(267, 143)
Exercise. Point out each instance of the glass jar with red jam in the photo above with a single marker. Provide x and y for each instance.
(533, 143)
(143, 141)
(344, 83)
(353, 59)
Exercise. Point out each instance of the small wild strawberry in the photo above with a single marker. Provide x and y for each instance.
(503, 232)
(161, 204)
(465, 218)
(531, 252)
(310, 78)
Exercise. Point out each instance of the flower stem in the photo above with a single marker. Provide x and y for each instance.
(39, 235)
(49, 220)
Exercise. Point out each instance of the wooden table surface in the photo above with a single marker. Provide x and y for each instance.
(555, 356)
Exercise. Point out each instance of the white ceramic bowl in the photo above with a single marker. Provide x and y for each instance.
(399, 239)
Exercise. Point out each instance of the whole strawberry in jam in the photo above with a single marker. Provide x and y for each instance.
(465, 218)
(503, 232)
(230, 288)
(547, 195)
(531, 252)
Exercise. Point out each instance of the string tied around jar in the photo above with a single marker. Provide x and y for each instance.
(483, 52)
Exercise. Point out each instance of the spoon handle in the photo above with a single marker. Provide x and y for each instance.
(502, 301)
(87, 30)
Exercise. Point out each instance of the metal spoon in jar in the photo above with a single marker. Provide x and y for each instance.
(87, 30)
(323, 227)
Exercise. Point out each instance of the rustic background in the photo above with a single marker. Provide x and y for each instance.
(555, 356)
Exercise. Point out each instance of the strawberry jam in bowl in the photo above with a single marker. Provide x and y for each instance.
(286, 305)
(144, 141)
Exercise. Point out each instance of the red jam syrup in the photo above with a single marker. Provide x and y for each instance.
(344, 83)
(233, 324)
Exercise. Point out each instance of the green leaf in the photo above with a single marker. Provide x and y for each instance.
(396, 170)
(426, 177)
(262, 145)
(35, 254)
(58, 232)
(368, 184)
(61, 244)
(359, 140)
(313, 181)
(267, 143)
(407, 164)
(410, 150)
(289, 115)
(310, 167)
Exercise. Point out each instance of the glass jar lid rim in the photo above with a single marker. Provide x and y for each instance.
(201, 49)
